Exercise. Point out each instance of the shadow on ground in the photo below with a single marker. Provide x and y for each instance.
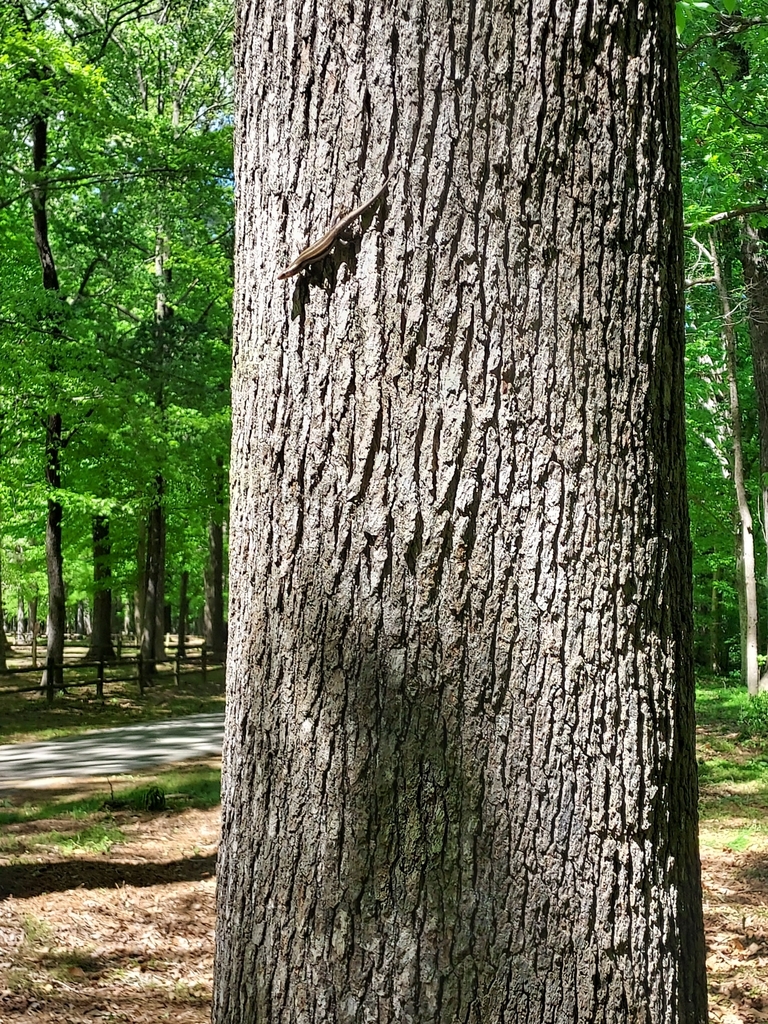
(23, 880)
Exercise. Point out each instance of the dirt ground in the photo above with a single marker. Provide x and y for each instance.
(736, 921)
(121, 936)
(127, 936)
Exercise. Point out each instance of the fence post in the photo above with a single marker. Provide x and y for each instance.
(140, 665)
(119, 646)
(204, 662)
(49, 670)
(100, 678)
(177, 668)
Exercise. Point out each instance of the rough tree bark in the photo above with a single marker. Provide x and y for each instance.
(101, 632)
(459, 766)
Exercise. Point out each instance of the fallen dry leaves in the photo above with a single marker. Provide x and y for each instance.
(736, 918)
(125, 936)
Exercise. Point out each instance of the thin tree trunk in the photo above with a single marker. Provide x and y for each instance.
(101, 634)
(213, 610)
(35, 626)
(181, 646)
(746, 559)
(56, 624)
(754, 261)
(160, 623)
(715, 625)
(53, 440)
(4, 645)
(459, 766)
(141, 582)
(152, 577)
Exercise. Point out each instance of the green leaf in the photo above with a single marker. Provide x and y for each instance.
(681, 17)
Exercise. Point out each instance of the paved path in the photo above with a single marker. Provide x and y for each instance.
(113, 751)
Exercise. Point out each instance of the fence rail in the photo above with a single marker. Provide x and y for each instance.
(53, 678)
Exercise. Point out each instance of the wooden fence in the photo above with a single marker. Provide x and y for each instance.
(54, 674)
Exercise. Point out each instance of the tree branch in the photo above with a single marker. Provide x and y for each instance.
(737, 27)
(738, 211)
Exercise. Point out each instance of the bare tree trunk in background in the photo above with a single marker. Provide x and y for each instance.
(141, 582)
(101, 633)
(152, 578)
(745, 559)
(715, 625)
(181, 645)
(160, 624)
(754, 262)
(54, 442)
(56, 624)
(459, 765)
(5, 647)
(34, 625)
(213, 579)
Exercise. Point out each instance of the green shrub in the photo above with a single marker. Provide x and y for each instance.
(754, 716)
(153, 799)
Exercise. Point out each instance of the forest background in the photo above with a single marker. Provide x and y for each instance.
(116, 264)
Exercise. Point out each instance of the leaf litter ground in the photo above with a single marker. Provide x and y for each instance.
(121, 935)
(125, 934)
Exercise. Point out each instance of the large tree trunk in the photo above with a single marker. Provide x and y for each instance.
(459, 765)
(101, 632)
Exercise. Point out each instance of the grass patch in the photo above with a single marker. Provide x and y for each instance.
(36, 932)
(754, 716)
(720, 703)
(97, 838)
(736, 839)
(197, 785)
(25, 717)
(733, 768)
(717, 770)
